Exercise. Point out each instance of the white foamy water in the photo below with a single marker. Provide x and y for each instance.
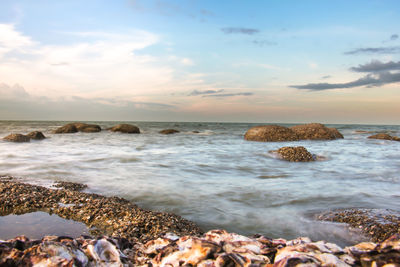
(216, 178)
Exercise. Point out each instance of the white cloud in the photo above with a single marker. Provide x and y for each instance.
(187, 62)
(105, 65)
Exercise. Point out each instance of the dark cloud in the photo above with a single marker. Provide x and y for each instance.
(206, 92)
(377, 66)
(326, 77)
(374, 50)
(394, 37)
(369, 80)
(239, 30)
(231, 94)
(263, 43)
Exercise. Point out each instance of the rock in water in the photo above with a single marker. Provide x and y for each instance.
(78, 127)
(270, 133)
(298, 154)
(36, 135)
(384, 136)
(87, 128)
(125, 128)
(169, 131)
(68, 128)
(19, 138)
(316, 131)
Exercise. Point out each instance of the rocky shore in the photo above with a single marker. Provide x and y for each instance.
(127, 235)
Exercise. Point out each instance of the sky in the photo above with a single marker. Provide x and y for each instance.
(187, 60)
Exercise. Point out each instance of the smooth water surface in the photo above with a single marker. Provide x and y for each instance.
(215, 177)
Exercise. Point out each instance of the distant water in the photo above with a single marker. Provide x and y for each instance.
(216, 178)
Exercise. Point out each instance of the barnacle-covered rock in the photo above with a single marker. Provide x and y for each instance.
(270, 133)
(298, 154)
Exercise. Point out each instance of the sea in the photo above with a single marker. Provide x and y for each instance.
(209, 174)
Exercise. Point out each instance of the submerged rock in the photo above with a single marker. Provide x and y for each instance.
(270, 133)
(36, 135)
(316, 131)
(125, 128)
(384, 136)
(18, 138)
(169, 131)
(78, 127)
(298, 154)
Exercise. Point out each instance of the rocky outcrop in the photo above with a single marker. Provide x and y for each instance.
(18, 138)
(36, 135)
(316, 131)
(384, 136)
(68, 128)
(87, 128)
(378, 224)
(297, 154)
(270, 133)
(78, 127)
(276, 133)
(125, 128)
(168, 131)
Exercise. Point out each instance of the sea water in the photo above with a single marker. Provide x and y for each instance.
(209, 174)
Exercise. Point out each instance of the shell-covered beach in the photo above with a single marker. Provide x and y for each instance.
(210, 177)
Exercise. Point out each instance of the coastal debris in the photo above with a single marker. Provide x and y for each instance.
(125, 128)
(214, 248)
(276, 133)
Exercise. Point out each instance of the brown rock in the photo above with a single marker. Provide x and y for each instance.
(316, 131)
(298, 154)
(169, 131)
(336, 133)
(384, 136)
(125, 128)
(19, 138)
(68, 128)
(78, 127)
(270, 133)
(87, 128)
(36, 135)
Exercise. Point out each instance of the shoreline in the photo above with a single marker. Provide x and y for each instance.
(132, 236)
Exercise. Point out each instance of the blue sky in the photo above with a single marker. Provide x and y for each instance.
(255, 61)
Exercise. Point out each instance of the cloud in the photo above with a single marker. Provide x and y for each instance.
(16, 103)
(230, 94)
(263, 43)
(374, 50)
(326, 77)
(187, 62)
(394, 37)
(205, 92)
(377, 66)
(369, 80)
(239, 30)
